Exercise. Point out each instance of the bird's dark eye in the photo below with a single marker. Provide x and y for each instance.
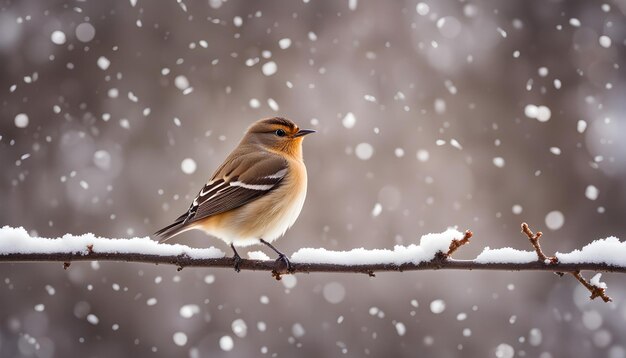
(280, 133)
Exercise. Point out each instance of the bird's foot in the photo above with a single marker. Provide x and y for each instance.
(236, 259)
(237, 262)
(283, 264)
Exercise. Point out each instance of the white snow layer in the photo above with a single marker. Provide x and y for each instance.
(505, 255)
(429, 246)
(18, 241)
(258, 255)
(595, 280)
(611, 250)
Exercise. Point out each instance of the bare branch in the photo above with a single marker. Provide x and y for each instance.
(438, 263)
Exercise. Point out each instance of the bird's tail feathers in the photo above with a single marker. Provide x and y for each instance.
(177, 227)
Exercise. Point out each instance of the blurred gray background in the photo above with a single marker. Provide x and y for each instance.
(425, 114)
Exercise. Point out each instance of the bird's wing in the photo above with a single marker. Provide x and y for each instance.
(237, 182)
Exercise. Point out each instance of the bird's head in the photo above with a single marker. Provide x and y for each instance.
(277, 134)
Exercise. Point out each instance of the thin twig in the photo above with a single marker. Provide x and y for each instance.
(455, 244)
(595, 290)
(534, 240)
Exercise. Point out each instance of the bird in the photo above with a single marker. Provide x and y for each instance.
(256, 194)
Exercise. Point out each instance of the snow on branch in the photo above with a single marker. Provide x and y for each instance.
(434, 252)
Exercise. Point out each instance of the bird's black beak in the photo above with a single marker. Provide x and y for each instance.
(303, 132)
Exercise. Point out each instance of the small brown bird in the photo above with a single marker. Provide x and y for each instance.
(256, 194)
